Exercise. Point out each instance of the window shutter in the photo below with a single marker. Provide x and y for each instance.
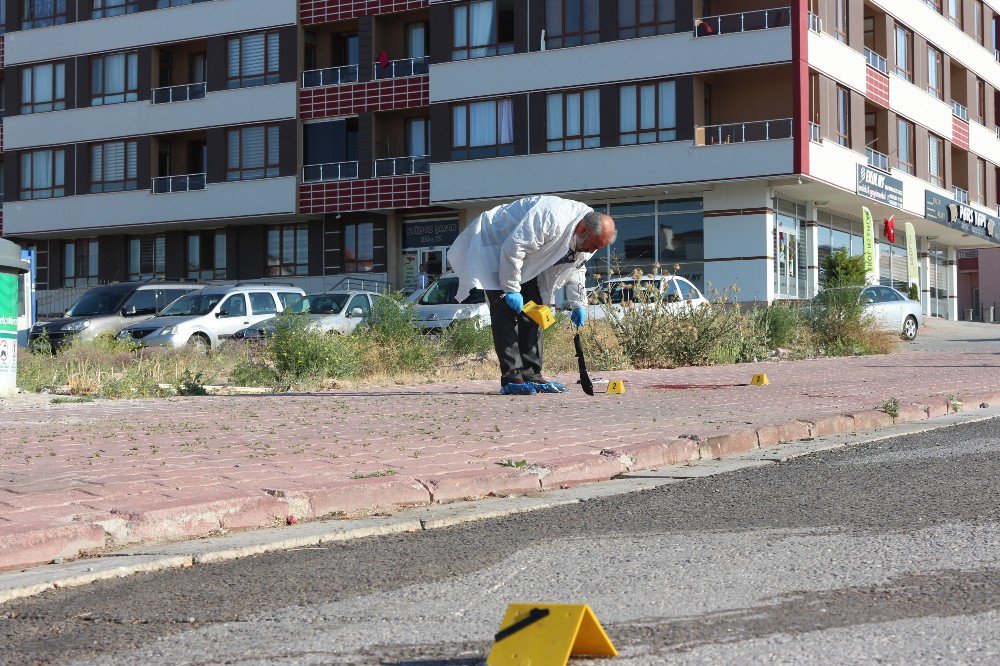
(131, 161)
(252, 55)
(233, 57)
(272, 52)
(253, 147)
(233, 149)
(272, 146)
(96, 163)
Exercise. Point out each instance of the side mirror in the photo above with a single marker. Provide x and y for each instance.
(222, 313)
(357, 312)
(870, 300)
(128, 311)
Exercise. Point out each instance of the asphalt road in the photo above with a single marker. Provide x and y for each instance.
(887, 552)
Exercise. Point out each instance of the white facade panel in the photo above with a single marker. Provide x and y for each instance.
(624, 60)
(837, 61)
(917, 105)
(225, 107)
(835, 164)
(99, 212)
(203, 19)
(984, 142)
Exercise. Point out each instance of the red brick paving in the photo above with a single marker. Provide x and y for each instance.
(155, 470)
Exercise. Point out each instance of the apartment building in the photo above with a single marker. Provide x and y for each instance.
(318, 139)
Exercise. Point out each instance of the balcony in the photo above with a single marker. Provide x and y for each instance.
(961, 196)
(330, 76)
(321, 173)
(399, 68)
(876, 62)
(814, 133)
(745, 132)
(725, 24)
(878, 160)
(186, 183)
(815, 23)
(402, 166)
(959, 111)
(184, 92)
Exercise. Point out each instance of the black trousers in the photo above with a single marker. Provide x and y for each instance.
(517, 339)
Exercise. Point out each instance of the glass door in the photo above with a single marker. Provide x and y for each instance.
(786, 257)
(431, 260)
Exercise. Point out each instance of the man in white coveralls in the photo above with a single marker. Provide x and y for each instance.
(526, 251)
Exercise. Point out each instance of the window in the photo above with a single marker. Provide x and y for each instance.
(40, 13)
(482, 129)
(935, 72)
(262, 302)
(43, 88)
(979, 22)
(359, 247)
(206, 255)
(142, 302)
(163, 4)
(287, 250)
(253, 60)
(105, 8)
(147, 256)
(361, 302)
(234, 306)
(288, 297)
(843, 131)
(955, 12)
(42, 174)
(80, 262)
(482, 28)
(572, 120)
(935, 160)
(642, 18)
(905, 162)
(252, 152)
(904, 53)
(572, 22)
(647, 113)
(981, 101)
(114, 78)
(418, 137)
(980, 193)
(841, 20)
(113, 166)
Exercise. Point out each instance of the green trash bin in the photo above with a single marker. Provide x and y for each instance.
(11, 269)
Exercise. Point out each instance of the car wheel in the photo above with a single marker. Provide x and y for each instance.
(909, 328)
(199, 343)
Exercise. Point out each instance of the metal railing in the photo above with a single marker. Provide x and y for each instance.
(875, 61)
(996, 55)
(181, 93)
(318, 173)
(877, 159)
(815, 23)
(330, 76)
(398, 68)
(758, 130)
(959, 111)
(761, 19)
(961, 196)
(186, 183)
(814, 133)
(350, 283)
(402, 166)
(968, 254)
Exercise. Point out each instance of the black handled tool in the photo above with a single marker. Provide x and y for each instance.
(588, 386)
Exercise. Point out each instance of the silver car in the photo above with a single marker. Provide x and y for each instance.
(331, 312)
(891, 310)
(438, 307)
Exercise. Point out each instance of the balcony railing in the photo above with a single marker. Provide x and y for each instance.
(185, 183)
(875, 61)
(318, 173)
(182, 93)
(814, 132)
(877, 159)
(402, 166)
(815, 23)
(759, 130)
(961, 196)
(398, 68)
(959, 111)
(331, 76)
(761, 19)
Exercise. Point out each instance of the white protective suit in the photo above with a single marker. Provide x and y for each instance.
(516, 242)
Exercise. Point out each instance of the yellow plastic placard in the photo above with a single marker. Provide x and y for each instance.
(616, 386)
(547, 634)
(760, 379)
(540, 314)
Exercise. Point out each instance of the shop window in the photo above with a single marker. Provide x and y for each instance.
(287, 250)
(482, 129)
(572, 120)
(359, 247)
(147, 257)
(80, 262)
(482, 28)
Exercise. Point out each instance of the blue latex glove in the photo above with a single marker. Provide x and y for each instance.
(515, 301)
(578, 316)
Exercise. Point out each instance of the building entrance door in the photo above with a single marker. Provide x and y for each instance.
(786, 259)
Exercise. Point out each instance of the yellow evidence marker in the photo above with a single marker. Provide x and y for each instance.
(540, 314)
(547, 634)
(616, 386)
(760, 379)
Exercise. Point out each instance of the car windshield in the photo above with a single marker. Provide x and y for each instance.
(626, 291)
(98, 302)
(192, 305)
(444, 290)
(319, 304)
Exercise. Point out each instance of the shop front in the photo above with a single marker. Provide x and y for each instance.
(425, 243)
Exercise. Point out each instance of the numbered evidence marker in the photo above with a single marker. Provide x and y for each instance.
(760, 379)
(616, 386)
(547, 634)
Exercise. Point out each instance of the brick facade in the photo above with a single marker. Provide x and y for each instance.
(366, 194)
(382, 95)
(322, 11)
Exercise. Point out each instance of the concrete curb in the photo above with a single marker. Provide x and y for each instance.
(270, 508)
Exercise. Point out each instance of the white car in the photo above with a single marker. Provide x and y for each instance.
(437, 307)
(331, 312)
(669, 291)
(204, 318)
(891, 309)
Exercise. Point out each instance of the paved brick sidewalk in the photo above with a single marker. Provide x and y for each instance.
(80, 477)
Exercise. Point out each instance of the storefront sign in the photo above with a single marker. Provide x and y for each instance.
(869, 240)
(429, 233)
(879, 186)
(960, 216)
(912, 268)
(410, 272)
(8, 333)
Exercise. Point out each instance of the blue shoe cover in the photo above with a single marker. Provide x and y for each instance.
(549, 387)
(518, 389)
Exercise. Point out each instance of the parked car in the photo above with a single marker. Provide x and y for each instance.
(438, 308)
(331, 312)
(891, 310)
(673, 292)
(109, 308)
(204, 318)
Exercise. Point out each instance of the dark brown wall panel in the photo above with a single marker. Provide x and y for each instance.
(288, 56)
(288, 144)
(536, 23)
(55, 263)
(521, 26)
(536, 123)
(366, 38)
(609, 115)
(215, 140)
(685, 107)
(440, 132)
(12, 91)
(70, 174)
(11, 175)
(144, 162)
(379, 236)
(216, 62)
(315, 247)
(83, 168)
(366, 144)
(112, 258)
(174, 242)
(145, 79)
(520, 108)
(251, 251)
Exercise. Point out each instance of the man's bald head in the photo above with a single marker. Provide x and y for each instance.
(593, 232)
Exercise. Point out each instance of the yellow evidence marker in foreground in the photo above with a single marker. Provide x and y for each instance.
(616, 386)
(540, 314)
(760, 379)
(547, 634)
